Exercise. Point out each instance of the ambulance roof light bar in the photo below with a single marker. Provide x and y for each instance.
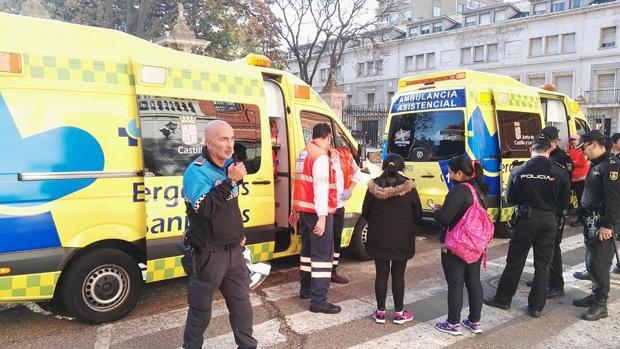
(10, 63)
(457, 76)
(549, 87)
(257, 60)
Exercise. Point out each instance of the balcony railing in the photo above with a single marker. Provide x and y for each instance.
(603, 96)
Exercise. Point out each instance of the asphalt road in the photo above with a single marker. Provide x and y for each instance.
(282, 320)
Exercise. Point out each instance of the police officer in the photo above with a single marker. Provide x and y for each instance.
(538, 188)
(215, 235)
(314, 203)
(600, 211)
(561, 158)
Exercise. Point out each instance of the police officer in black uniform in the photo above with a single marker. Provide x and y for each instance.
(560, 157)
(214, 257)
(538, 188)
(600, 212)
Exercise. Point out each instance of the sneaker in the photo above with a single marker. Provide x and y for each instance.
(400, 317)
(446, 327)
(379, 316)
(472, 326)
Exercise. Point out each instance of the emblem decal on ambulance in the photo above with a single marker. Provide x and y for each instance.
(131, 132)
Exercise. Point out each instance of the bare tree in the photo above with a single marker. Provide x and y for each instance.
(337, 25)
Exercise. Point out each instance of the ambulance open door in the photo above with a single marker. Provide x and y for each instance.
(519, 119)
(174, 107)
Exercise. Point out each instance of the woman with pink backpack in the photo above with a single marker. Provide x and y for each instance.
(462, 219)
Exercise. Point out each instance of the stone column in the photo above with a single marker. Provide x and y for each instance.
(334, 95)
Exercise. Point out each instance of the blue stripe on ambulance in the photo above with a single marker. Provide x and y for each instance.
(485, 147)
(28, 232)
(63, 149)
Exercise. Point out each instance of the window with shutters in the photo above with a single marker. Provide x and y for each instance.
(430, 60)
(536, 80)
(408, 63)
(500, 16)
(414, 31)
(419, 62)
(540, 9)
(605, 81)
(608, 37)
(552, 45)
(485, 18)
(536, 47)
(557, 6)
(470, 21)
(370, 99)
(436, 11)
(436, 27)
(575, 3)
(466, 55)
(568, 43)
(478, 54)
(564, 84)
(492, 54)
(426, 29)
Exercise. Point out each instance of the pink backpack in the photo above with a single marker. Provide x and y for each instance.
(473, 233)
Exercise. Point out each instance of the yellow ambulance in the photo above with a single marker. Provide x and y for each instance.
(98, 127)
(491, 118)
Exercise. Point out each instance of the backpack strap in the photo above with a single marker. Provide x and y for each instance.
(472, 190)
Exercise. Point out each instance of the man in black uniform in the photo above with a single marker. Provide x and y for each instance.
(561, 158)
(215, 239)
(600, 210)
(538, 188)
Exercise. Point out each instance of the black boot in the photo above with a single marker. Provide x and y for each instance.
(597, 311)
(584, 302)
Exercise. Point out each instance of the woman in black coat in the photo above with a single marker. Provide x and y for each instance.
(391, 208)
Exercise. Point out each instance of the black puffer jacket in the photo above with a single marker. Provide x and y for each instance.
(391, 213)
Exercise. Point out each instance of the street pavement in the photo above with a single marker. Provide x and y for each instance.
(282, 319)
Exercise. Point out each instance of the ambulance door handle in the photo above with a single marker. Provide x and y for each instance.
(261, 182)
(428, 176)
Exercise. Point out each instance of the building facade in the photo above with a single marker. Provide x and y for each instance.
(572, 44)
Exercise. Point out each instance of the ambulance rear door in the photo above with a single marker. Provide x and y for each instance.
(519, 119)
(175, 105)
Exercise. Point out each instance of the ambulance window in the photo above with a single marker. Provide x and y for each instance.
(582, 126)
(340, 140)
(429, 136)
(555, 115)
(516, 133)
(308, 120)
(173, 136)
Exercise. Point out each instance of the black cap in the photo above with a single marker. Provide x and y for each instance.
(543, 139)
(551, 131)
(594, 135)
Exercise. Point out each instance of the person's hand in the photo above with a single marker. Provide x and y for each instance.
(345, 195)
(605, 234)
(319, 228)
(293, 218)
(242, 242)
(237, 171)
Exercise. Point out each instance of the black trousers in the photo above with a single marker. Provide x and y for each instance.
(556, 271)
(338, 227)
(578, 188)
(539, 231)
(398, 282)
(457, 273)
(316, 258)
(599, 257)
(224, 270)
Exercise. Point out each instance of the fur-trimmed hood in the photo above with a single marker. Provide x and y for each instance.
(388, 192)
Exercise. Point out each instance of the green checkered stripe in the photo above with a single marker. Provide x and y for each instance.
(522, 101)
(504, 215)
(262, 252)
(164, 268)
(214, 82)
(76, 69)
(28, 286)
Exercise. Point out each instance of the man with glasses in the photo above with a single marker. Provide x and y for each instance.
(600, 212)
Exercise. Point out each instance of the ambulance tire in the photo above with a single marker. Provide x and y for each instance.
(101, 286)
(503, 230)
(358, 240)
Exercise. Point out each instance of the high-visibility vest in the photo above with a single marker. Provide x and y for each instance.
(347, 163)
(303, 185)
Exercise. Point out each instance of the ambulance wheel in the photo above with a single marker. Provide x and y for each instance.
(101, 286)
(358, 240)
(503, 230)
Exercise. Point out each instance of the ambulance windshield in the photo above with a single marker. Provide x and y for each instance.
(428, 136)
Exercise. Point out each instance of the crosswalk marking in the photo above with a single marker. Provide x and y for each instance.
(305, 323)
